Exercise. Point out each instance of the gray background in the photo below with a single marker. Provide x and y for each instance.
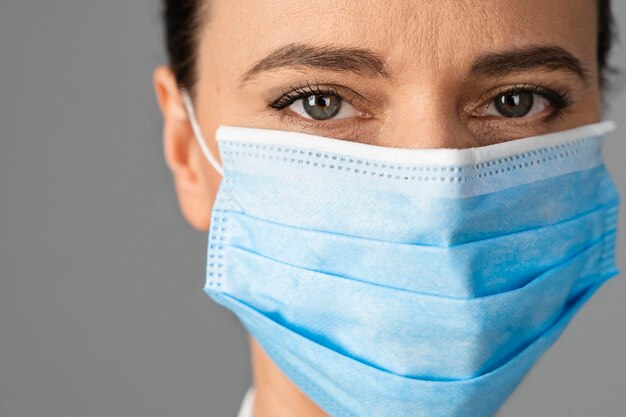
(102, 311)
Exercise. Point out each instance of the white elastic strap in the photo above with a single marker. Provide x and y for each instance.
(245, 410)
(198, 133)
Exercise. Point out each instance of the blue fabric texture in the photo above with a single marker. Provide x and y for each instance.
(396, 289)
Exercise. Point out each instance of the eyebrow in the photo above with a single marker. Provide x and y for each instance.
(550, 57)
(366, 62)
(359, 61)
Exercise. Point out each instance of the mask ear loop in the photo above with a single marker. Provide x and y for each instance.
(195, 126)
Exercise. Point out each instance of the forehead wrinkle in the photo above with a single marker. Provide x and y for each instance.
(346, 28)
(439, 37)
(418, 38)
(445, 37)
(421, 39)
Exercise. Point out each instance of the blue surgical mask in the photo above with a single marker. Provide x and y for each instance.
(408, 282)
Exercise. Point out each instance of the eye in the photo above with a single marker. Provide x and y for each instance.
(323, 107)
(523, 102)
(516, 105)
(316, 103)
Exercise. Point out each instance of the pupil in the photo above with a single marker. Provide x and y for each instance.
(515, 104)
(321, 107)
(512, 100)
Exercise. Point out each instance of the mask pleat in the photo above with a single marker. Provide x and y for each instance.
(415, 218)
(473, 269)
(387, 325)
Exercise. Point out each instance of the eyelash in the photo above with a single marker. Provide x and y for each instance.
(296, 93)
(558, 98)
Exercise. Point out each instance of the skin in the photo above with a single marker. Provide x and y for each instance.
(431, 102)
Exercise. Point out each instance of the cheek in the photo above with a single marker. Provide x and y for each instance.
(589, 108)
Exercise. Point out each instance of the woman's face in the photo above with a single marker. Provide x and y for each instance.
(402, 73)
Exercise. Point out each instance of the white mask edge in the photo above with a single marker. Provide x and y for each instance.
(437, 157)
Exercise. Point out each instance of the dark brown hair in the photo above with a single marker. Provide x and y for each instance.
(183, 20)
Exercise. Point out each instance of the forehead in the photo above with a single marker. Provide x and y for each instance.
(414, 36)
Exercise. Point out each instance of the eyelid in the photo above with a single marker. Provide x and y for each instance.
(294, 93)
(559, 98)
